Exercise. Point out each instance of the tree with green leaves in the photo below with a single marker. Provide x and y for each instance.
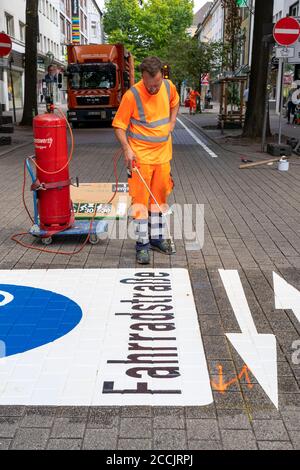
(31, 39)
(189, 59)
(233, 34)
(146, 28)
(259, 71)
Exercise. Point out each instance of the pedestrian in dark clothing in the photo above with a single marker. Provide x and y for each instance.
(291, 107)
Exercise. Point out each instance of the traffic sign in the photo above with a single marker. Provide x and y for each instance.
(5, 44)
(296, 58)
(205, 79)
(285, 52)
(286, 31)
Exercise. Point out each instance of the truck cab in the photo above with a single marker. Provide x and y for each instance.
(98, 77)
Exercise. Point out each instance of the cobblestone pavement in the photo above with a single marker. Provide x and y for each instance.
(252, 224)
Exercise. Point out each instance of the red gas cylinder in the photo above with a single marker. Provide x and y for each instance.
(51, 150)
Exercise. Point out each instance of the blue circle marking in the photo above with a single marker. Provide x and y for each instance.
(31, 317)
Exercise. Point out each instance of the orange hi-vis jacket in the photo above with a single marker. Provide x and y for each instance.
(193, 98)
(146, 118)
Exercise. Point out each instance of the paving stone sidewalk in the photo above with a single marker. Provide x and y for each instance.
(252, 224)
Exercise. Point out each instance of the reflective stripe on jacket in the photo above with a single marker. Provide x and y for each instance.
(143, 123)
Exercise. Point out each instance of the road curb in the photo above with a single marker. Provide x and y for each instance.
(16, 147)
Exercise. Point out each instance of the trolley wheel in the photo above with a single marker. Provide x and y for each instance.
(94, 240)
(47, 241)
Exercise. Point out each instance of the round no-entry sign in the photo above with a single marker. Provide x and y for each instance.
(5, 45)
(286, 31)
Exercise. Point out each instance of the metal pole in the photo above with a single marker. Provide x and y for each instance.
(263, 143)
(12, 89)
(281, 66)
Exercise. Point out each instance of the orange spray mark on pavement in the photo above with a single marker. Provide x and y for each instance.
(222, 386)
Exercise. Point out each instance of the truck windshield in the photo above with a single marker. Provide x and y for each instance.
(93, 79)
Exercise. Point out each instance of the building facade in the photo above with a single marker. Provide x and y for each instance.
(217, 21)
(61, 22)
(284, 8)
(95, 25)
(86, 18)
(49, 45)
(12, 22)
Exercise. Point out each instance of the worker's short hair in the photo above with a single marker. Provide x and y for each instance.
(152, 65)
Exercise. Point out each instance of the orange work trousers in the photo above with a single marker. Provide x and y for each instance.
(159, 180)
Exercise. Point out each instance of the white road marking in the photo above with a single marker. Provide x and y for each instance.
(286, 296)
(257, 350)
(138, 342)
(199, 141)
(7, 298)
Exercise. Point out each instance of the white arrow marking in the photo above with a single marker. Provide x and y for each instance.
(257, 350)
(7, 298)
(286, 296)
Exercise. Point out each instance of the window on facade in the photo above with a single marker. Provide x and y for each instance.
(294, 9)
(68, 8)
(68, 31)
(94, 28)
(9, 20)
(22, 31)
(62, 24)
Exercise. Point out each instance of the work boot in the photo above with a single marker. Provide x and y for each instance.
(162, 246)
(143, 257)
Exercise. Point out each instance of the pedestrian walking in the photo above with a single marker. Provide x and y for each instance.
(291, 107)
(193, 101)
(208, 98)
(149, 110)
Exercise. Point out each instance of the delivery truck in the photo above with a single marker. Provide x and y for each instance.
(98, 75)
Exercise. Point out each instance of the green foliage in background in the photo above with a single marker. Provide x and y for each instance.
(147, 27)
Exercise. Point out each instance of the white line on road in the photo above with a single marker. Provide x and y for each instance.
(199, 141)
(257, 350)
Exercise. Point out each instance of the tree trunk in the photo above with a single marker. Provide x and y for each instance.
(259, 72)
(32, 31)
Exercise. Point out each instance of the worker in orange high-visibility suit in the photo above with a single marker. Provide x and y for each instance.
(143, 125)
(193, 101)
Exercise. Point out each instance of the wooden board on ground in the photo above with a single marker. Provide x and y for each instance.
(90, 196)
(261, 162)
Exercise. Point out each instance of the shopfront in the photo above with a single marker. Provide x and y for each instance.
(14, 80)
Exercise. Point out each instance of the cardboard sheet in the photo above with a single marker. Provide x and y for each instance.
(89, 196)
